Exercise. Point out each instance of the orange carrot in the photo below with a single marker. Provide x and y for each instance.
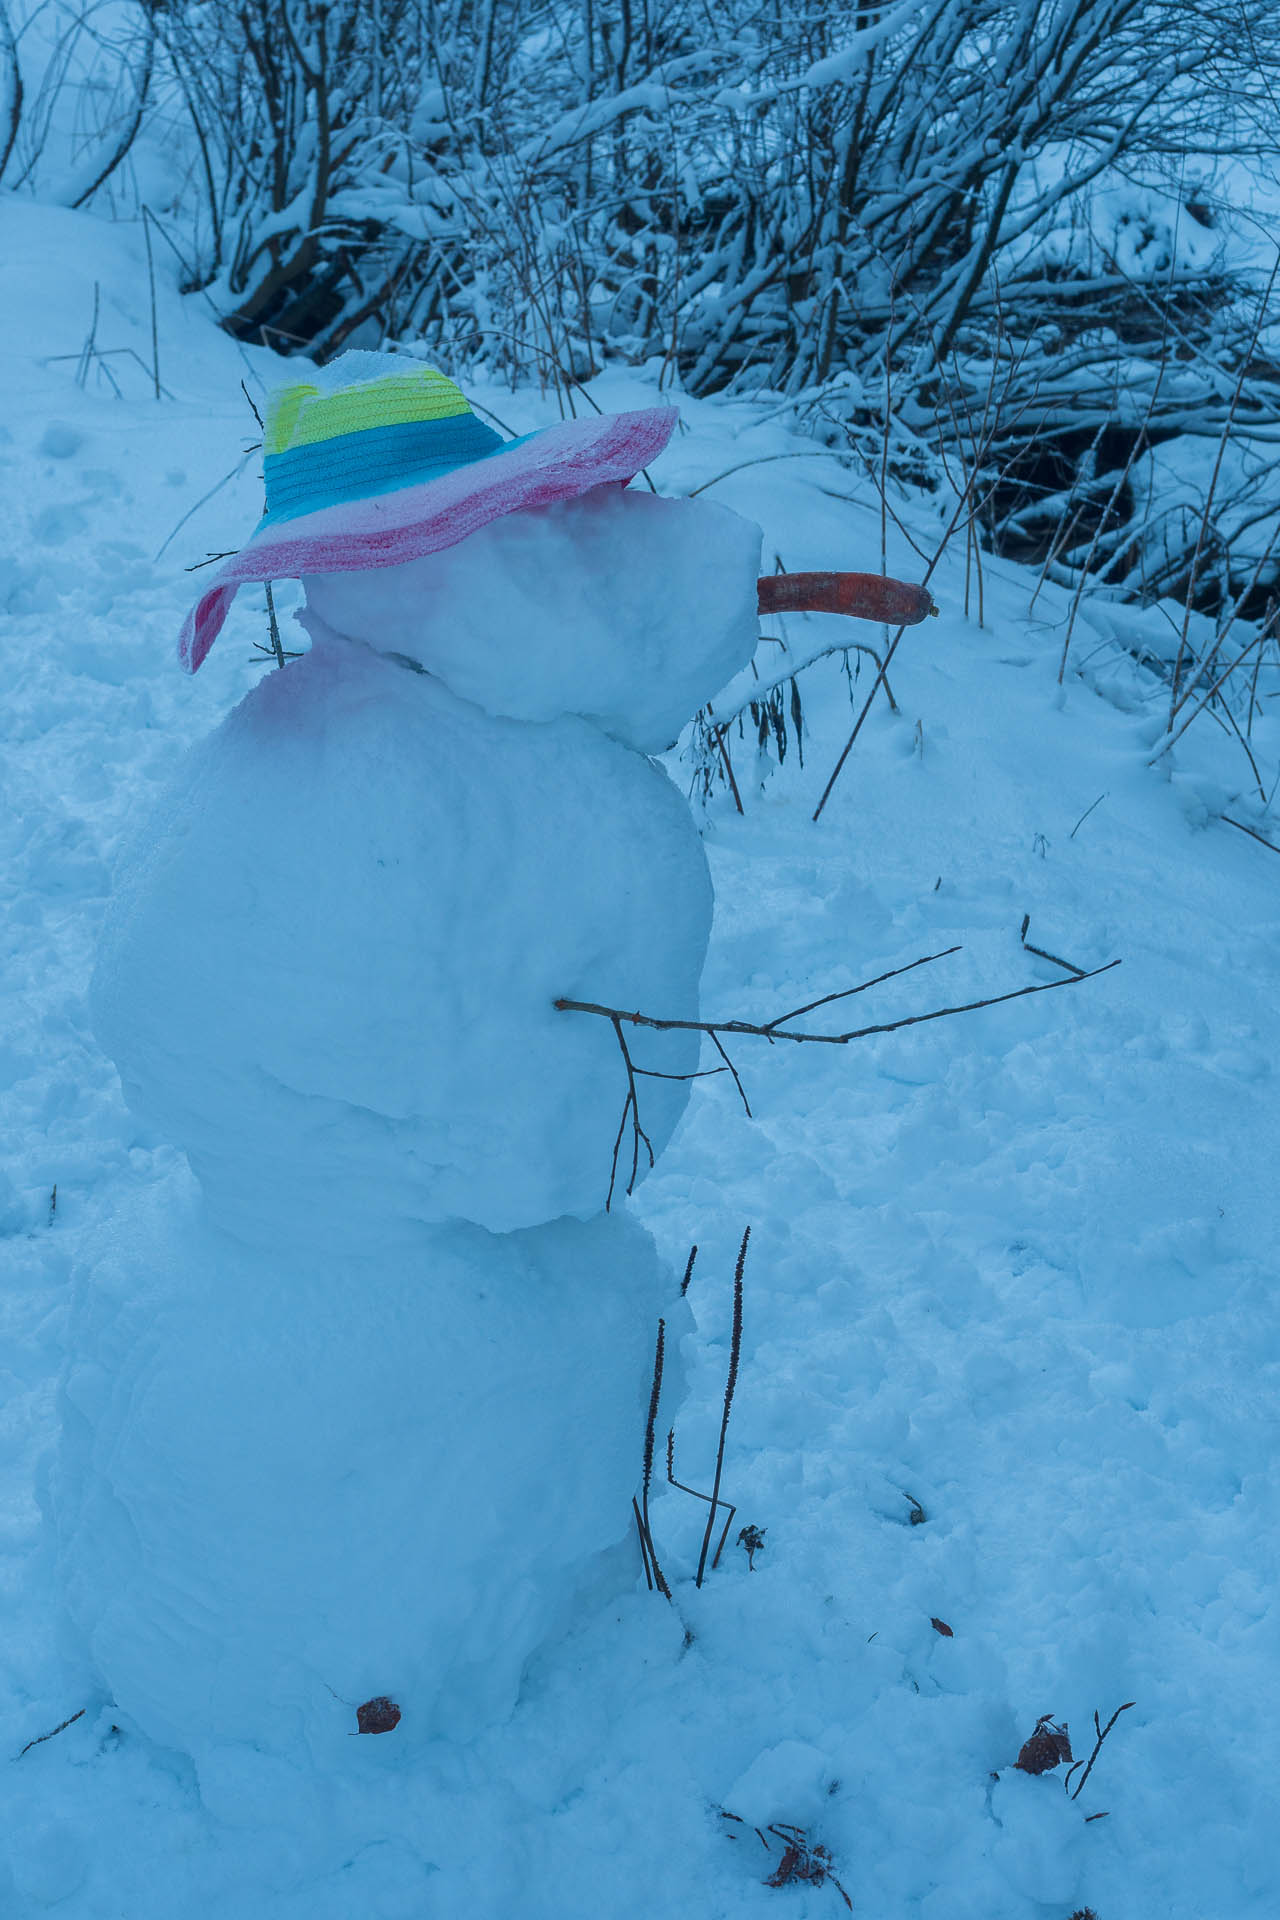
(864, 596)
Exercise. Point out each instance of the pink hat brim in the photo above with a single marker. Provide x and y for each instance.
(560, 463)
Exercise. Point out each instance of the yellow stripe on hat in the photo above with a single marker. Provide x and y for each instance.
(283, 408)
(302, 415)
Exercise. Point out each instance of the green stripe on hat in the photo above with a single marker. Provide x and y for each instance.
(303, 415)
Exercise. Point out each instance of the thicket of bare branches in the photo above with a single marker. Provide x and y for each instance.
(938, 226)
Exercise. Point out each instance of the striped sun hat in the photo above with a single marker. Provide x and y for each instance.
(378, 459)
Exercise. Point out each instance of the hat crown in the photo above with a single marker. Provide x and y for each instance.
(383, 393)
(366, 425)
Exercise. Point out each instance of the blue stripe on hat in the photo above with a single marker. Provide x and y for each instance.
(357, 466)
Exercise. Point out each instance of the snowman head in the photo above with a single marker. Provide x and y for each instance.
(419, 530)
(625, 608)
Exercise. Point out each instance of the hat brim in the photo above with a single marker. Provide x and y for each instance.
(559, 463)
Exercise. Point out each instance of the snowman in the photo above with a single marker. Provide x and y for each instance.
(351, 1422)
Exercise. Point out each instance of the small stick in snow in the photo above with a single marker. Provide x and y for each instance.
(698, 1495)
(718, 735)
(965, 504)
(1068, 966)
(204, 499)
(42, 1737)
(277, 649)
(644, 1545)
(1085, 815)
(735, 1349)
(1260, 838)
(742, 1092)
(688, 1272)
(1102, 1733)
(151, 278)
(646, 1533)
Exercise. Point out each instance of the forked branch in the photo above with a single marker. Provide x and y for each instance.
(1101, 1733)
(778, 1028)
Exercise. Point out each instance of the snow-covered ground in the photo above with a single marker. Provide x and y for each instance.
(1012, 1272)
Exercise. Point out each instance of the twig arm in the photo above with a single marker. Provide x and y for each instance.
(714, 1027)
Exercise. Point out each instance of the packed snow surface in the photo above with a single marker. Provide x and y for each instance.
(1011, 1277)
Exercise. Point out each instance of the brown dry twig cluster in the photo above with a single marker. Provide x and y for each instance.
(804, 1861)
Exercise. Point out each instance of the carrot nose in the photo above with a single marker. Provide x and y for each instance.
(863, 596)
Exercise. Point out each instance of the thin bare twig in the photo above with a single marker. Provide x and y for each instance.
(764, 688)
(644, 1543)
(698, 1495)
(277, 646)
(735, 1350)
(630, 1109)
(890, 650)
(1139, 444)
(1241, 828)
(646, 1533)
(777, 1030)
(742, 1092)
(846, 993)
(718, 734)
(964, 505)
(688, 1272)
(618, 1015)
(204, 499)
(151, 279)
(61, 1728)
(1068, 966)
(1084, 816)
(1102, 1733)
(766, 459)
(1189, 598)
(1171, 739)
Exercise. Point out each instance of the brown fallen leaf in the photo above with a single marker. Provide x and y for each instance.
(378, 1716)
(1048, 1747)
